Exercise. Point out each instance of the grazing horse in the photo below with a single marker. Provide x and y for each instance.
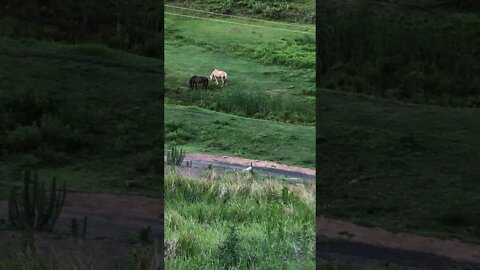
(219, 74)
(198, 79)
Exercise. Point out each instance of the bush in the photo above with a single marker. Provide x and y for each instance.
(23, 138)
(26, 106)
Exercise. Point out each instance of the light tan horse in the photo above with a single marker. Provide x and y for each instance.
(219, 74)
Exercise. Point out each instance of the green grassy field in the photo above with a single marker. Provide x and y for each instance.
(271, 73)
(271, 77)
(400, 166)
(274, 226)
(94, 124)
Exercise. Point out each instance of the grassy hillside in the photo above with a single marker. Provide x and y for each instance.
(86, 113)
(200, 130)
(273, 224)
(399, 166)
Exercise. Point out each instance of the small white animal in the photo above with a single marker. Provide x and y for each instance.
(248, 169)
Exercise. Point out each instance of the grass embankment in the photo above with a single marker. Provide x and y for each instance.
(417, 51)
(200, 130)
(398, 166)
(273, 228)
(85, 113)
(271, 73)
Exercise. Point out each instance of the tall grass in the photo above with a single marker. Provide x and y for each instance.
(248, 103)
(263, 105)
(273, 222)
(403, 55)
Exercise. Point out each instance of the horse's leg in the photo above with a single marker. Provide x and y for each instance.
(216, 80)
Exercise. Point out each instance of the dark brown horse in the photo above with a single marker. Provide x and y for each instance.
(198, 79)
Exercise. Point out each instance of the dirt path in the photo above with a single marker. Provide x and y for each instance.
(109, 216)
(202, 161)
(348, 239)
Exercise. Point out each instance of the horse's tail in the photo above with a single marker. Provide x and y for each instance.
(226, 76)
(190, 82)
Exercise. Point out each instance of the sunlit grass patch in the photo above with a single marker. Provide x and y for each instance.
(238, 220)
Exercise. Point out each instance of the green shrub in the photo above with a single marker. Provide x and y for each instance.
(26, 106)
(23, 138)
(229, 251)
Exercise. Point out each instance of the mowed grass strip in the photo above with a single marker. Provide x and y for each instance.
(93, 124)
(399, 166)
(273, 224)
(201, 130)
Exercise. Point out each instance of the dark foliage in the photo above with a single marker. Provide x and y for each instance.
(420, 54)
(134, 26)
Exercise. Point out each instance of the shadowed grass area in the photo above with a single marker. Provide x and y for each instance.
(85, 113)
(399, 166)
(274, 224)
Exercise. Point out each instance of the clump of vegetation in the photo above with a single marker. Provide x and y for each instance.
(35, 207)
(175, 157)
(229, 250)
